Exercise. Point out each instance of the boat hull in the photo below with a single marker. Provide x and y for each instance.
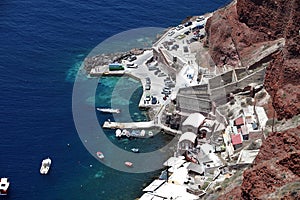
(45, 167)
(129, 164)
(4, 185)
(100, 155)
(109, 110)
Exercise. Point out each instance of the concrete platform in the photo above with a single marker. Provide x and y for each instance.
(128, 125)
(139, 125)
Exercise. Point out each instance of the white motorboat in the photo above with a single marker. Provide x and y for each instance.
(109, 110)
(150, 134)
(100, 155)
(4, 185)
(135, 150)
(46, 163)
(119, 133)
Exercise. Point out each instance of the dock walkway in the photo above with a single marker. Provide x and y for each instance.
(139, 125)
(128, 125)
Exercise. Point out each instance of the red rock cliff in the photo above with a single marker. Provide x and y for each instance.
(235, 33)
(276, 170)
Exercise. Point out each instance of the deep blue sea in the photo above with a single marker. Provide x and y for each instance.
(42, 43)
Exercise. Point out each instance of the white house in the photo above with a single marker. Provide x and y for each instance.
(193, 122)
(186, 142)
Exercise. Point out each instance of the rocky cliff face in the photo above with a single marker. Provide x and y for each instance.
(238, 34)
(276, 170)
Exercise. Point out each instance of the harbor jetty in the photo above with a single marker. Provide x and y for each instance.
(139, 125)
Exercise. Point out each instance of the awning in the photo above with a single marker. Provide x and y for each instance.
(205, 129)
(199, 169)
(174, 161)
(154, 185)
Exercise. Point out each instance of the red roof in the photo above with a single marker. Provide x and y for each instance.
(236, 139)
(239, 121)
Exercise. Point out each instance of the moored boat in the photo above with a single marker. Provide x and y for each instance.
(135, 150)
(109, 110)
(100, 155)
(143, 132)
(46, 163)
(4, 185)
(150, 134)
(128, 164)
(119, 133)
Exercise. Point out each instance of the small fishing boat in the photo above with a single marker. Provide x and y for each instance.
(135, 133)
(128, 164)
(100, 155)
(143, 132)
(118, 133)
(150, 134)
(135, 150)
(109, 110)
(4, 185)
(46, 163)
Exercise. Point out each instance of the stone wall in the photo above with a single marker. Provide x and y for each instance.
(164, 64)
(191, 103)
(198, 89)
(220, 118)
(220, 94)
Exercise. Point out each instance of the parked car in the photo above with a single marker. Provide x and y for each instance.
(195, 37)
(148, 98)
(171, 84)
(132, 58)
(188, 23)
(198, 27)
(201, 36)
(161, 74)
(147, 87)
(157, 72)
(166, 92)
(185, 49)
(152, 68)
(179, 27)
(154, 100)
(171, 33)
(187, 32)
(200, 18)
(132, 65)
(148, 80)
(175, 46)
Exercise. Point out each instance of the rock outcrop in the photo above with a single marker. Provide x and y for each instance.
(276, 170)
(276, 166)
(248, 32)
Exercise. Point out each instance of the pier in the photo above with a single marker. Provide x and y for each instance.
(139, 125)
(128, 125)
